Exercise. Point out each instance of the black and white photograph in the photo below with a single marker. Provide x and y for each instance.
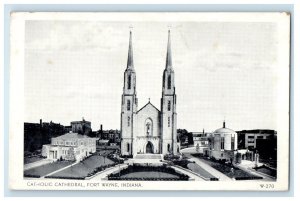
(150, 101)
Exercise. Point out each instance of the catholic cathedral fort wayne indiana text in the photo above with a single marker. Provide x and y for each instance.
(149, 130)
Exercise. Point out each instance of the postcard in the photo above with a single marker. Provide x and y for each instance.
(149, 101)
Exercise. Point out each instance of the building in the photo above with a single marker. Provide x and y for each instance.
(81, 127)
(223, 144)
(261, 141)
(149, 130)
(70, 146)
(201, 140)
(249, 139)
(37, 134)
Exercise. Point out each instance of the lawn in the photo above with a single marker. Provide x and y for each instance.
(267, 171)
(46, 169)
(149, 175)
(232, 172)
(199, 170)
(83, 168)
(32, 159)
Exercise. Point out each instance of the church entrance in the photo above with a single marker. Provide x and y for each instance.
(149, 148)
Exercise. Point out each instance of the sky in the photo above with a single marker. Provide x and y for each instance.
(223, 70)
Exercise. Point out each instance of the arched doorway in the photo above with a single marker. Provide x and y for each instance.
(149, 148)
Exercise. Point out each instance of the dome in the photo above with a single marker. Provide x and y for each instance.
(224, 130)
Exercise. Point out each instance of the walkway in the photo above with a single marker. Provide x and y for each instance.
(208, 168)
(37, 164)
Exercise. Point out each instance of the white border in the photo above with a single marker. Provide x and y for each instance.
(17, 95)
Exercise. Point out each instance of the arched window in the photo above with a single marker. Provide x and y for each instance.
(128, 105)
(128, 147)
(129, 82)
(169, 81)
(168, 147)
(169, 105)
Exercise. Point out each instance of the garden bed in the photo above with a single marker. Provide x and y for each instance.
(148, 173)
(46, 169)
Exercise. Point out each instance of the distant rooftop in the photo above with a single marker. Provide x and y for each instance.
(258, 131)
(72, 136)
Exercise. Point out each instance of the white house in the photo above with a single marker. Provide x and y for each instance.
(70, 146)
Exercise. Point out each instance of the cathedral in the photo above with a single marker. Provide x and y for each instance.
(148, 130)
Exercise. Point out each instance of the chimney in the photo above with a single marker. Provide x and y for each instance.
(223, 124)
(41, 122)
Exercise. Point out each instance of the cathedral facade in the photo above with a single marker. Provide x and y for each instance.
(148, 130)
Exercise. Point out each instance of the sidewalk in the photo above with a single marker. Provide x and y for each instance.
(211, 170)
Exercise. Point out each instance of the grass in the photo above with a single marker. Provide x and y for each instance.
(267, 171)
(46, 169)
(199, 170)
(149, 175)
(83, 168)
(32, 159)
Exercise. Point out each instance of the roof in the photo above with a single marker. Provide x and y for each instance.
(80, 122)
(71, 136)
(149, 103)
(103, 141)
(224, 130)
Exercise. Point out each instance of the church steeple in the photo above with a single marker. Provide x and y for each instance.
(130, 54)
(169, 54)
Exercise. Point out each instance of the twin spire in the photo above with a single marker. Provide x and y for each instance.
(130, 53)
(169, 55)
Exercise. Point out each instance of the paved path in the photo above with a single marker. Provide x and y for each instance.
(208, 168)
(102, 175)
(37, 164)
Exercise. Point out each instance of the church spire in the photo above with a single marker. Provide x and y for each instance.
(130, 54)
(169, 55)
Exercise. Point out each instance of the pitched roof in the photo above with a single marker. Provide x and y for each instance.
(71, 136)
(149, 103)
